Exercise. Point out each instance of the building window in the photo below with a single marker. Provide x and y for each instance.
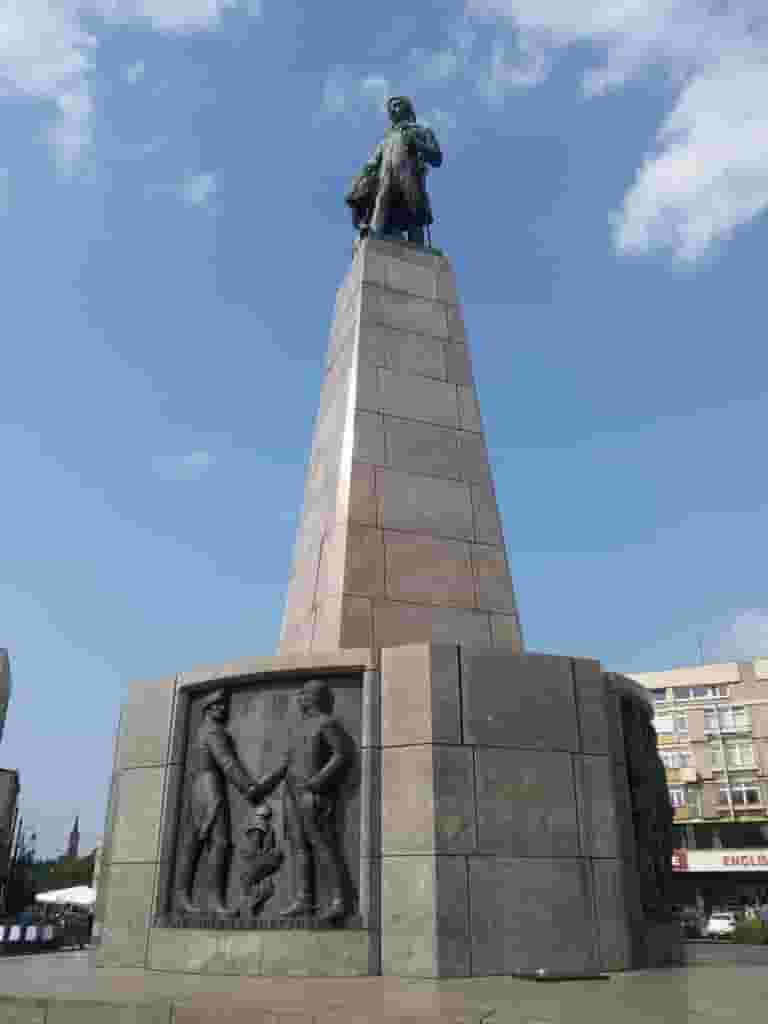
(675, 758)
(738, 755)
(677, 796)
(726, 719)
(683, 693)
(659, 696)
(671, 725)
(742, 793)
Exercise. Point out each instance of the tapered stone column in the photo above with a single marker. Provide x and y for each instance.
(399, 540)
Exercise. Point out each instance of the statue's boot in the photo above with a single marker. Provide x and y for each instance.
(336, 910)
(220, 872)
(186, 879)
(300, 907)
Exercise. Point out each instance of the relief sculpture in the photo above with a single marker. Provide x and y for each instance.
(651, 810)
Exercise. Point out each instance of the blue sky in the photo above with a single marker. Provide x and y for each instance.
(173, 231)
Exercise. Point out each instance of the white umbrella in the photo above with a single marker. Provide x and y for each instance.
(82, 895)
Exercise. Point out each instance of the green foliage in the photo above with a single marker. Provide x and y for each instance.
(62, 873)
(750, 933)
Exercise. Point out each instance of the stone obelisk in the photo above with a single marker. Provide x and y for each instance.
(400, 539)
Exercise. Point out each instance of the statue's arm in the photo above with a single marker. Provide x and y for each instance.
(223, 750)
(429, 148)
(337, 740)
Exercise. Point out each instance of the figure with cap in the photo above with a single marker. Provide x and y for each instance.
(260, 859)
(215, 763)
(389, 197)
(318, 760)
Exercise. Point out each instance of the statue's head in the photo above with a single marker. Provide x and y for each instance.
(400, 109)
(316, 696)
(215, 706)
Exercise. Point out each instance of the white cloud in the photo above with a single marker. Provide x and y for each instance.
(198, 189)
(743, 638)
(47, 54)
(134, 72)
(505, 73)
(346, 93)
(183, 467)
(708, 173)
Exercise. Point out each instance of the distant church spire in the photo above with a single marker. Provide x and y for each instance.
(73, 846)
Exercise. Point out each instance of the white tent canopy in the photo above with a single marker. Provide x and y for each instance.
(81, 895)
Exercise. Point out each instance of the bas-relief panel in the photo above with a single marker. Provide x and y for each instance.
(244, 855)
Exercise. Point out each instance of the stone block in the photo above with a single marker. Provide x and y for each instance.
(364, 568)
(518, 700)
(298, 661)
(145, 723)
(396, 623)
(408, 915)
(369, 439)
(473, 456)
(526, 806)
(454, 802)
(531, 914)
(424, 503)
(596, 798)
(505, 632)
(413, 397)
(420, 695)
(341, 953)
(469, 410)
(368, 396)
(427, 570)
(137, 819)
(595, 725)
(446, 286)
(23, 1010)
(486, 516)
(356, 628)
(191, 950)
(130, 897)
(614, 934)
(400, 275)
(455, 322)
(80, 1011)
(423, 448)
(404, 352)
(363, 505)
(452, 939)
(327, 623)
(330, 573)
(407, 312)
(407, 800)
(493, 584)
(458, 365)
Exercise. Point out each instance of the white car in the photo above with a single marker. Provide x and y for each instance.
(719, 924)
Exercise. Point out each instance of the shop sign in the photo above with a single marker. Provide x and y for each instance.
(720, 860)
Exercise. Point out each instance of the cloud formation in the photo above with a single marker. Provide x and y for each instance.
(708, 173)
(182, 467)
(198, 189)
(47, 54)
(744, 637)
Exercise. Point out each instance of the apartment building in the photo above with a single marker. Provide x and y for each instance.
(712, 727)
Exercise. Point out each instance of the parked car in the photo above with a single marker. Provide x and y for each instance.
(721, 923)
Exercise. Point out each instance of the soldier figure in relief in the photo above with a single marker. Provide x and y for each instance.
(217, 763)
(317, 764)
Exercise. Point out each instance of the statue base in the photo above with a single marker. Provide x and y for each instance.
(490, 830)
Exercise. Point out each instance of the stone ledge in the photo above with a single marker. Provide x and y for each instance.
(299, 662)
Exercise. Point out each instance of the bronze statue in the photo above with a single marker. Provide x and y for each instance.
(317, 764)
(217, 764)
(260, 859)
(389, 196)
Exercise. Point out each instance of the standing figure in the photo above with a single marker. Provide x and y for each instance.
(217, 763)
(260, 859)
(318, 760)
(389, 196)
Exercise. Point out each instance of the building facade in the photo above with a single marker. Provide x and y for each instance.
(712, 727)
(9, 799)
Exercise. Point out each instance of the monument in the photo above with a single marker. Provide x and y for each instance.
(401, 789)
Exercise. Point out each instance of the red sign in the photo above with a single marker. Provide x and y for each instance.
(679, 860)
(746, 860)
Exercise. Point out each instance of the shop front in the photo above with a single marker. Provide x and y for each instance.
(712, 879)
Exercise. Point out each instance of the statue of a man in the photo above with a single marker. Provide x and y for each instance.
(389, 196)
(216, 764)
(317, 762)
